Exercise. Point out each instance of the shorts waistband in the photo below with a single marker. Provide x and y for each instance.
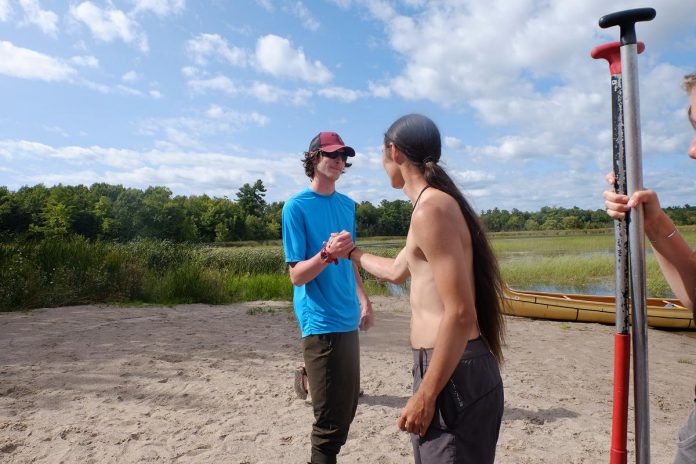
(474, 348)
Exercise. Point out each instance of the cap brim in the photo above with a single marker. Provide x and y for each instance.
(332, 148)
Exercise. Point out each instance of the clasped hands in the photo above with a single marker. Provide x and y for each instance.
(340, 244)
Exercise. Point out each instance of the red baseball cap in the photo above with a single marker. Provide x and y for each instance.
(329, 142)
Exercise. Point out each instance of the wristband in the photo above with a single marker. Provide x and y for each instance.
(326, 257)
(351, 251)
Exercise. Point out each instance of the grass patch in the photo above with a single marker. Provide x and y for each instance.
(260, 287)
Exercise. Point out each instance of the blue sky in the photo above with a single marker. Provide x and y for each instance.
(205, 96)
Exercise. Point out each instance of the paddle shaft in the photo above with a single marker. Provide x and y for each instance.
(622, 340)
(621, 245)
(634, 175)
(636, 240)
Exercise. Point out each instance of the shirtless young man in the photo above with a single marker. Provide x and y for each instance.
(456, 409)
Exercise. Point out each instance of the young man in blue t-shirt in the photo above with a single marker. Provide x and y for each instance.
(329, 298)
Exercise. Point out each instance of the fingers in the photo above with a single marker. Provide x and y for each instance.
(401, 423)
(366, 322)
(644, 197)
(610, 178)
(616, 204)
(340, 244)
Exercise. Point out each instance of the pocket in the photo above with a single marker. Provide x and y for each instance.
(473, 380)
(449, 405)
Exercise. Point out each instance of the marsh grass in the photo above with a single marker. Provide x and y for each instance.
(260, 287)
(74, 271)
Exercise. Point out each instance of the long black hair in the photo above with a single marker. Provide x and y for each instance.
(417, 137)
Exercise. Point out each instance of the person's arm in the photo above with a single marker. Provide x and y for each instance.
(302, 272)
(367, 318)
(393, 270)
(673, 254)
(450, 261)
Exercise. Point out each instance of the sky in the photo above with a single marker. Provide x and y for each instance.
(205, 96)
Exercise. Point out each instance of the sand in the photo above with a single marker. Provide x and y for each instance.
(198, 383)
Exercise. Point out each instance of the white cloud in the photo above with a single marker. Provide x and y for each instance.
(29, 64)
(301, 11)
(190, 71)
(156, 94)
(55, 130)
(86, 61)
(340, 93)
(159, 7)
(468, 177)
(192, 171)
(220, 84)
(276, 56)
(204, 46)
(191, 130)
(453, 142)
(110, 24)
(378, 90)
(5, 10)
(266, 92)
(200, 83)
(46, 20)
(266, 5)
(125, 90)
(130, 76)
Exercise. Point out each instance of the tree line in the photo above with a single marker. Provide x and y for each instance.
(116, 213)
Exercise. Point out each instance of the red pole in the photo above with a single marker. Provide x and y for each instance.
(619, 423)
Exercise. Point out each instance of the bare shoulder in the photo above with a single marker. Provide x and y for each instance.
(437, 214)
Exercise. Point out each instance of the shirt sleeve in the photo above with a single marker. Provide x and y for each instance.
(294, 236)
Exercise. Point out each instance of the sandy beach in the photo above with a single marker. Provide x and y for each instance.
(199, 383)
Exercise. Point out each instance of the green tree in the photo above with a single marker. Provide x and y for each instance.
(251, 198)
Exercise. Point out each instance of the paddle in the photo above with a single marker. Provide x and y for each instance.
(626, 20)
(622, 340)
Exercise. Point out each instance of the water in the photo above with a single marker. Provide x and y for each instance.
(596, 289)
(401, 290)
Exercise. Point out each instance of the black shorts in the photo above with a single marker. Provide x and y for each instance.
(466, 424)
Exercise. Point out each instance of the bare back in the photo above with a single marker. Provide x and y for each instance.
(446, 275)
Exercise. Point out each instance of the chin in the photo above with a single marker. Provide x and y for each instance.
(397, 183)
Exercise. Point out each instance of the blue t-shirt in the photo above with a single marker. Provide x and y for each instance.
(329, 302)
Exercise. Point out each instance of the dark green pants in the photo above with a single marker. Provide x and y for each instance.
(332, 361)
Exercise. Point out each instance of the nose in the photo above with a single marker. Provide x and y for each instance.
(692, 149)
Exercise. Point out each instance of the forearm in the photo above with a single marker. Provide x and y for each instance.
(378, 266)
(676, 260)
(305, 271)
(449, 347)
